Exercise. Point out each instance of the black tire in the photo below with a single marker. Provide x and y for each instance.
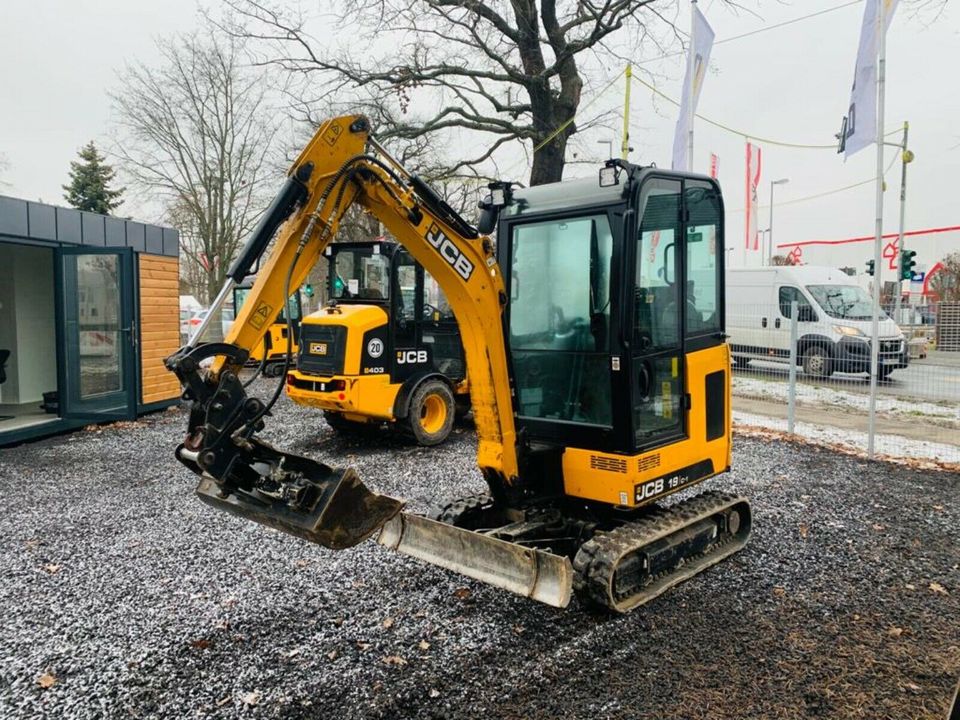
(741, 362)
(431, 413)
(817, 361)
(343, 426)
(274, 369)
(883, 373)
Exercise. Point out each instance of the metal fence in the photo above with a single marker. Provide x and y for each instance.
(798, 371)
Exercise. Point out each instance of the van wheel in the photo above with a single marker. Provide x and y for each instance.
(817, 361)
(431, 412)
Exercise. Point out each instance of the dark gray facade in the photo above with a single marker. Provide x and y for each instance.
(33, 222)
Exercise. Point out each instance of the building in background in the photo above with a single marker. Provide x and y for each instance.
(89, 307)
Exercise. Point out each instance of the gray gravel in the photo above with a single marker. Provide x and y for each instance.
(130, 598)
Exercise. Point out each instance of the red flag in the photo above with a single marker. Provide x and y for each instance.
(753, 182)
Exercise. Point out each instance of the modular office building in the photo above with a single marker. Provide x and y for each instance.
(89, 307)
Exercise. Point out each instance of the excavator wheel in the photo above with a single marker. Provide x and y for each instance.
(431, 412)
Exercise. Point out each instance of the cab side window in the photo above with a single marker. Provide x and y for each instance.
(702, 293)
(787, 296)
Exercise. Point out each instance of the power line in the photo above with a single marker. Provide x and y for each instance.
(755, 32)
(741, 133)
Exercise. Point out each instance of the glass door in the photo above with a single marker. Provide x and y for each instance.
(98, 334)
(656, 365)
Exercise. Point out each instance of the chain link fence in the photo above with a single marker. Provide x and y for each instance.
(827, 395)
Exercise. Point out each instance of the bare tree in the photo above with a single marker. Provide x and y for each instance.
(946, 281)
(195, 134)
(510, 70)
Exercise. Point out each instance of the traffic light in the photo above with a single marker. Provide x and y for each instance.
(870, 267)
(308, 290)
(907, 264)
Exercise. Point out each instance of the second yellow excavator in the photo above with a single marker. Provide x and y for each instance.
(597, 366)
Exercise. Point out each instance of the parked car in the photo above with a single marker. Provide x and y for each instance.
(834, 316)
(226, 320)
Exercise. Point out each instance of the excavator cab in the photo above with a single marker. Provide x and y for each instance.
(598, 371)
(615, 323)
(385, 349)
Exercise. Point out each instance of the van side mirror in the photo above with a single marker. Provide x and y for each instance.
(805, 313)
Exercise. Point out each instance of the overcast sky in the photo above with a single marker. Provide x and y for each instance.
(59, 59)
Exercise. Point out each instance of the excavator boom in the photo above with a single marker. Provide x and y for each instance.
(343, 166)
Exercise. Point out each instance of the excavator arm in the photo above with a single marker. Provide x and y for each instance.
(344, 166)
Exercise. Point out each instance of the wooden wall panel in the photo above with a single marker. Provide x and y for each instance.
(159, 325)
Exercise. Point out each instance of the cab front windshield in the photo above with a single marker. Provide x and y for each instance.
(359, 273)
(848, 302)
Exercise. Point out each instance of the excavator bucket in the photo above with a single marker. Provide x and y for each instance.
(335, 509)
(522, 570)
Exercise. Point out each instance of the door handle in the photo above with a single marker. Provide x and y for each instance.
(763, 322)
(132, 331)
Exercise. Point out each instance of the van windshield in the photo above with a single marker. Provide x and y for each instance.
(849, 302)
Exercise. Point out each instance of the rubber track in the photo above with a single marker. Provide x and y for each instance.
(597, 560)
(454, 510)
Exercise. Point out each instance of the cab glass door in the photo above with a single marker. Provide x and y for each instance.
(656, 365)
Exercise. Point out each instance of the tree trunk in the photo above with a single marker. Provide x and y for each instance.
(548, 161)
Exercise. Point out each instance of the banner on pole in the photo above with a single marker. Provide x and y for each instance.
(714, 165)
(860, 124)
(753, 182)
(700, 46)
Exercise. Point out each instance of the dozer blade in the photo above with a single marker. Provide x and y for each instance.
(525, 571)
(335, 510)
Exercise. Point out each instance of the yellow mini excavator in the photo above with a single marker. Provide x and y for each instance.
(597, 365)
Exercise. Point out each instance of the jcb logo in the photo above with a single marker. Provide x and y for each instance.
(411, 357)
(649, 489)
(449, 252)
(318, 348)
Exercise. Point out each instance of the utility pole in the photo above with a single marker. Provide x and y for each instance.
(878, 239)
(781, 181)
(905, 158)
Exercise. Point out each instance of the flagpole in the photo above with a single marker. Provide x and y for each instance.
(878, 239)
(625, 145)
(691, 64)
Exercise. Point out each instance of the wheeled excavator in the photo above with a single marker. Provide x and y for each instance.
(597, 366)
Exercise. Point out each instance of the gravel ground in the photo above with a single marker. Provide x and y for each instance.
(123, 596)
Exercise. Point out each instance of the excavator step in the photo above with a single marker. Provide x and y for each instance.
(622, 569)
(525, 571)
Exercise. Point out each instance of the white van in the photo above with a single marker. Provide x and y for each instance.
(834, 320)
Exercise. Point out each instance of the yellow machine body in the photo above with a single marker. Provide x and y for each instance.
(595, 352)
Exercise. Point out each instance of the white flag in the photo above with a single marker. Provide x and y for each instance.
(861, 127)
(700, 46)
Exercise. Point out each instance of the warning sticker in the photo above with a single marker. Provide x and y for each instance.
(261, 316)
(332, 134)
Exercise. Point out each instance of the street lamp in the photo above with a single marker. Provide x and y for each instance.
(781, 181)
